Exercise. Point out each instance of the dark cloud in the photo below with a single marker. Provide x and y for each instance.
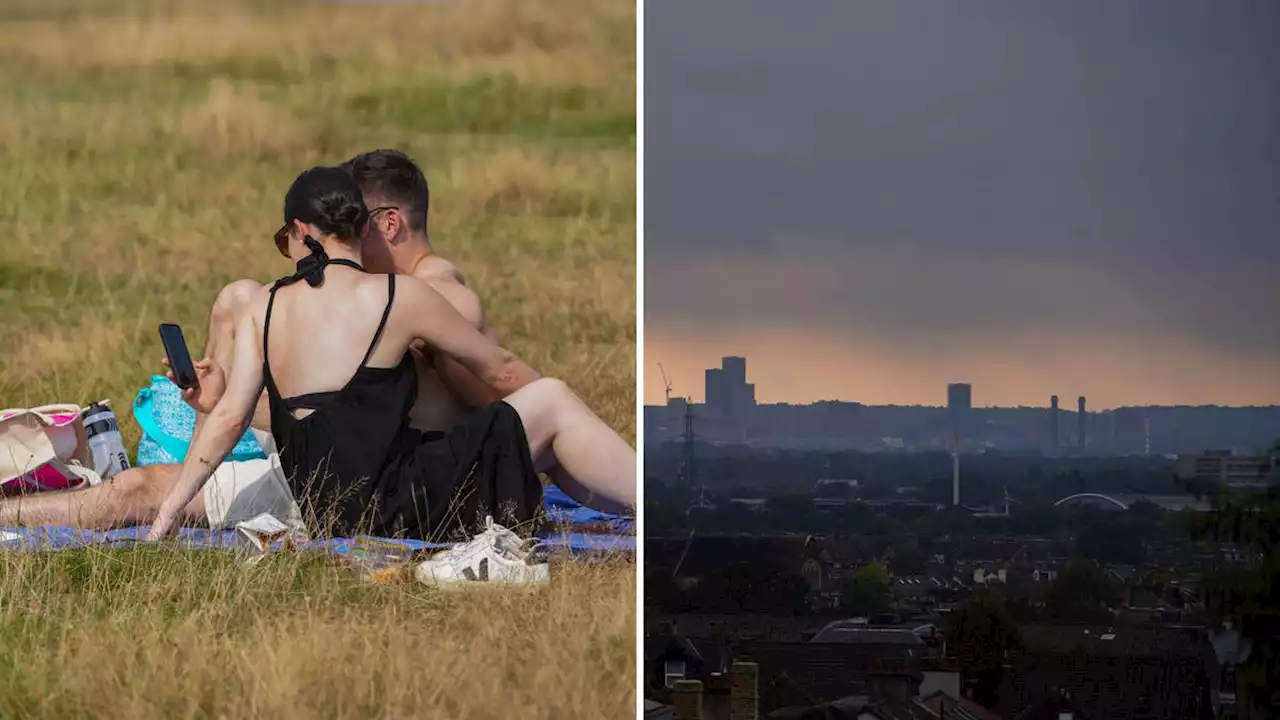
(963, 172)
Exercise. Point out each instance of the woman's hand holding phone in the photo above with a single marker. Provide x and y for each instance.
(212, 383)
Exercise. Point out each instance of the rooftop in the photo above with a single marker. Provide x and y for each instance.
(850, 631)
(1127, 641)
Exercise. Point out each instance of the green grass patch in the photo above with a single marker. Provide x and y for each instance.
(497, 104)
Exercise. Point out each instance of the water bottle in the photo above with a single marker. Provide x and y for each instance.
(105, 444)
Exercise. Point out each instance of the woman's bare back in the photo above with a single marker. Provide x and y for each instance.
(318, 337)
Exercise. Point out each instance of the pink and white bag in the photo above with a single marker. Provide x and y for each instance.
(43, 448)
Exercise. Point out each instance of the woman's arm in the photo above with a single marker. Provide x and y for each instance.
(465, 387)
(436, 322)
(220, 431)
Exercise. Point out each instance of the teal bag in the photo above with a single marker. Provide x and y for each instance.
(167, 424)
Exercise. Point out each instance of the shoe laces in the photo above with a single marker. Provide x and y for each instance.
(501, 541)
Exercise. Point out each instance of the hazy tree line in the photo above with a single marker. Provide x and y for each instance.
(984, 478)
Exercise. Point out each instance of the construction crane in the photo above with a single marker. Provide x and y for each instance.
(665, 382)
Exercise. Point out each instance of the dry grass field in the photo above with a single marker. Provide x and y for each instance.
(144, 152)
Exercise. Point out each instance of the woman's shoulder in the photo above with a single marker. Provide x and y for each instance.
(415, 296)
(410, 285)
(372, 289)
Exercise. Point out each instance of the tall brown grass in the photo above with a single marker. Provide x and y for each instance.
(154, 633)
(144, 151)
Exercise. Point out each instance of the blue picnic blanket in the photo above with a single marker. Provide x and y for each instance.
(63, 538)
(564, 510)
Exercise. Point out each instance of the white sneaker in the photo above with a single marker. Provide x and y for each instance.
(496, 555)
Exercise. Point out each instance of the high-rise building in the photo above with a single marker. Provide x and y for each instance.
(959, 405)
(730, 398)
(735, 371)
(1053, 426)
(717, 393)
(1131, 431)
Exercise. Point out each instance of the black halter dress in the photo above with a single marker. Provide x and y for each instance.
(356, 466)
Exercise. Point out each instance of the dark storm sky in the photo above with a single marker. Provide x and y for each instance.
(870, 198)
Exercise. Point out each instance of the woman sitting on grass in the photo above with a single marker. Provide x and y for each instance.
(333, 354)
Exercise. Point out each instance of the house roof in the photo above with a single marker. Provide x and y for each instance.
(914, 585)
(949, 707)
(739, 625)
(1126, 673)
(857, 549)
(704, 554)
(805, 674)
(654, 710)
(912, 710)
(1126, 641)
(855, 707)
(706, 655)
(846, 631)
(997, 548)
(842, 709)
(1050, 707)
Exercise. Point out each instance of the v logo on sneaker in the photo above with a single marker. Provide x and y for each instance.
(482, 576)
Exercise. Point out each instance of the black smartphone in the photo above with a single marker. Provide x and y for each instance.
(175, 346)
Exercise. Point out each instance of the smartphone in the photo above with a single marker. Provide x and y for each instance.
(175, 346)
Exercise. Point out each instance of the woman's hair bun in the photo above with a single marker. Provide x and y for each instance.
(330, 199)
(344, 217)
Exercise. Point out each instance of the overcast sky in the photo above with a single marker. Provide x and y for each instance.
(872, 198)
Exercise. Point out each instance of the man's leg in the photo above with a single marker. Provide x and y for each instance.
(228, 307)
(131, 498)
(593, 464)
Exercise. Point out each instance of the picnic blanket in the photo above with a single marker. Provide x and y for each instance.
(609, 533)
(63, 538)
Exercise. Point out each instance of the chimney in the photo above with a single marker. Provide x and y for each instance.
(1053, 426)
(1082, 440)
(955, 477)
(686, 699)
(744, 691)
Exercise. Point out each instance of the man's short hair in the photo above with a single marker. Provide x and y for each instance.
(390, 176)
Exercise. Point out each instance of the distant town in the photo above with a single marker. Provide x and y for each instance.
(839, 560)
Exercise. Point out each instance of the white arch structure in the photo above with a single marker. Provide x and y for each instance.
(1091, 496)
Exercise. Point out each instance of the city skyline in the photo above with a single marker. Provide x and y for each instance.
(691, 385)
(868, 225)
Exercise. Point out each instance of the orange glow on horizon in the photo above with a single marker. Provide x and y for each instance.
(798, 366)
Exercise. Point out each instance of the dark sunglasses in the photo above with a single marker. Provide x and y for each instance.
(282, 235)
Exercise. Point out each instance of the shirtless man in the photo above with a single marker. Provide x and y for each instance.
(396, 192)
